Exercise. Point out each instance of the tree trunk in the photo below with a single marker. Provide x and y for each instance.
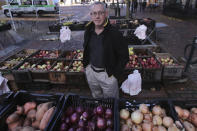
(127, 9)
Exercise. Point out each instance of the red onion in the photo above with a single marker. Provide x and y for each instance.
(63, 118)
(63, 127)
(101, 123)
(91, 125)
(80, 129)
(108, 129)
(74, 117)
(109, 123)
(81, 123)
(79, 110)
(94, 111)
(67, 120)
(108, 113)
(84, 116)
(99, 110)
(69, 111)
(71, 129)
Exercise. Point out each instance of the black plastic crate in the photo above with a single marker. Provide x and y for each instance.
(90, 103)
(132, 105)
(21, 97)
(5, 100)
(184, 104)
(34, 86)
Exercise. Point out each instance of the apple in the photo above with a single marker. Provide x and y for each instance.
(167, 61)
(149, 62)
(61, 66)
(77, 66)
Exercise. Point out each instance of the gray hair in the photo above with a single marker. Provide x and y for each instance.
(98, 3)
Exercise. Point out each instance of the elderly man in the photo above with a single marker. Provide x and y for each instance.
(105, 54)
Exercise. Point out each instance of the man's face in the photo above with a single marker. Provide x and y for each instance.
(98, 15)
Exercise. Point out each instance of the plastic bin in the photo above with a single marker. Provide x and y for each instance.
(21, 97)
(88, 103)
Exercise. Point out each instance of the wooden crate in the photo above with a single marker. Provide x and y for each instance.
(59, 76)
(170, 71)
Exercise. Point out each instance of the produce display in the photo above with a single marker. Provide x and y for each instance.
(77, 66)
(42, 66)
(149, 63)
(146, 119)
(167, 61)
(79, 55)
(7, 65)
(29, 65)
(133, 62)
(61, 66)
(47, 54)
(188, 117)
(30, 116)
(86, 119)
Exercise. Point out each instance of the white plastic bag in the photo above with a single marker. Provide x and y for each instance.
(65, 34)
(3, 85)
(133, 84)
(140, 32)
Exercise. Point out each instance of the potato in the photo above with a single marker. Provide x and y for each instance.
(12, 118)
(46, 118)
(40, 112)
(36, 124)
(27, 122)
(15, 124)
(28, 106)
(20, 110)
(28, 128)
(31, 115)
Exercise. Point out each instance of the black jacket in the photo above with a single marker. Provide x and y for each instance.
(116, 53)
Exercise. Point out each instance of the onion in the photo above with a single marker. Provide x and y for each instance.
(147, 126)
(101, 123)
(194, 110)
(71, 129)
(108, 129)
(136, 128)
(67, 120)
(188, 126)
(148, 117)
(69, 111)
(91, 125)
(161, 128)
(157, 120)
(99, 110)
(167, 121)
(94, 111)
(157, 110)
(193, 118)
(124, 114)
(173, 128)
(81, 123)
(185, 114)
(129, 122)
(109, 123)
(84, 116)
(63, 127)
(144, 108)
(74, 117)
(137, 117)
(108, 113)
(179, 111)
(163, 112)
(155, 128)
(63, 119)
(79, 109)
(125, 128)
(80, 129)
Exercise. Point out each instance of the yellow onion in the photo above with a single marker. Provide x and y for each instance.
(157, 110)
(144, 108)
(157, 120)
(173, 128)
(136, 128)
(124, 114)
(147, 126)
(167, 121)
(129, 122)
(161, 128)
(194, 110)
(188, 126)
(179, 111)
(185, 114)
(155, 128)
(148, 117)
(137, 117)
